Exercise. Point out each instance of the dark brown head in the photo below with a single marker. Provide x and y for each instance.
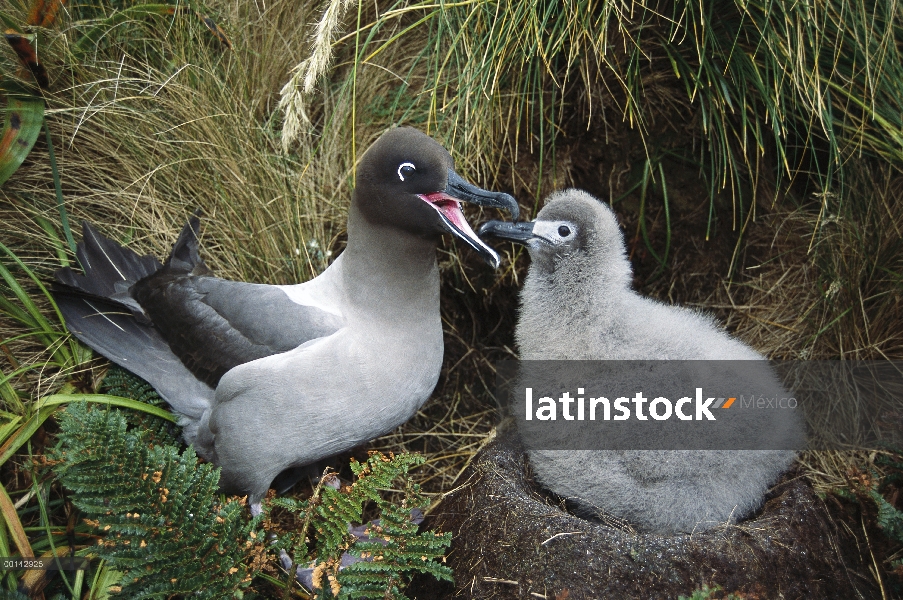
(407, 180)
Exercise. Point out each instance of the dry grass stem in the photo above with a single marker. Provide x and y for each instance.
(308, 71)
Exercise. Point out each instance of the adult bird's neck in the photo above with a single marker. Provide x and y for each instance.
(388, 269)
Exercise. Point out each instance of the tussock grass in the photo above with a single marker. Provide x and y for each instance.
(142, 144)
(771, 91)
(825, 285)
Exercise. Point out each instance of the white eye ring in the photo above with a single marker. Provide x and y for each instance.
(403, 165)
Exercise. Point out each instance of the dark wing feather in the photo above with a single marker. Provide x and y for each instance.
(185, 257)
(111, 330)
(109, 271)
(213, 325)
(177, 312)
(99, 311)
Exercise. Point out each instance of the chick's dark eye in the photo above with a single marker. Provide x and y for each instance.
(564, 231)
(405, 170)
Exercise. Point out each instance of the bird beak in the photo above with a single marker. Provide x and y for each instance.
(448, 204)
(519, 233)
(468, 192)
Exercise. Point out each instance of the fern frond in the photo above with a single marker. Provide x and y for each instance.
(889, 518)
(119, 382)
(391, 549)
(164, 526)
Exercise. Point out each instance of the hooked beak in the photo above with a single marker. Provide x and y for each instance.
(519, 233)
(448, 204)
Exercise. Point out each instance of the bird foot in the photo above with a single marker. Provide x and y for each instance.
(304, 576)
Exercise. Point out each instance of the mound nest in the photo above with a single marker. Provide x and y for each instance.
(512, 541)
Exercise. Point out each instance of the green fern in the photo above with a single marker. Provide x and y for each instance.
(893, 465)
(709, 593)
(119, 382)
(394, 550)
(889, 519)
(159, 511)
(871, 487)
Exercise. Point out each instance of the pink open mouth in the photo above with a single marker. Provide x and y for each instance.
(450, 209)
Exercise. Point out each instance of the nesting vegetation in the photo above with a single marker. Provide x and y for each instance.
(752, 150)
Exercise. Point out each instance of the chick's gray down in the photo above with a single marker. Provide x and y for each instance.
(577, 304)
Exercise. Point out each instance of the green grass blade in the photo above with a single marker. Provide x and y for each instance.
(55, 550)
(14, 524)
(60, 203)
(9, 22)
(7, 428)
(52, 236)
(24, 433)
(60, 399)
(5, 550)
(11, 400)
(647, 177)
(30, 315)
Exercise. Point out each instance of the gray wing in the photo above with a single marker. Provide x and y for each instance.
(113, 331)
(213, 325)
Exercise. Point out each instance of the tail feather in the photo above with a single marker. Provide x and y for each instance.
(117, 335)
(185, 257)
(99, 311)
(107, 265)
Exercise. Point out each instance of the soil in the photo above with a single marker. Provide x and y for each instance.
(512, 540)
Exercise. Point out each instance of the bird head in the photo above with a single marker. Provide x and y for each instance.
(407, 180)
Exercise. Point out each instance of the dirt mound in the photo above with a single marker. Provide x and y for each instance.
(512, 541)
